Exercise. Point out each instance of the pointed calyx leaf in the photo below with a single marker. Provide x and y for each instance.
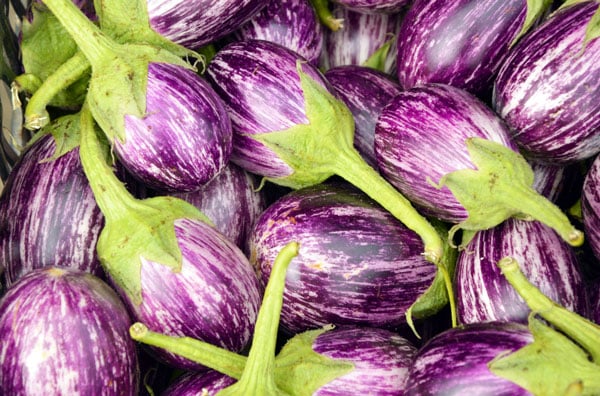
(378, 59)
(535, 9)
(324, 14)
(64, 131)
(134, 229)
(502, 187)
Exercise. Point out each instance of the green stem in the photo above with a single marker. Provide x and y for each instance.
(324, 14)
(36, 115)
(579, 329)
(94, 44)
(216, 358)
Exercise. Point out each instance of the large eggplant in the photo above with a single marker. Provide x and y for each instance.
(455, 362)
(290, 23)
(548, 89)
(365, 91)
(357, 265)
(590, 206)
(48, 214)
(65, 332)
(482, 293)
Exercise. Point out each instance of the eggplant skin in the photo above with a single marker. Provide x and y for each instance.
(482, 292)
(374, 6)
(462, 43)
(590, 206)
(357, 264)
(48, 214)
(194, 383)
(65, 332)
(454, 362)
(548, 89)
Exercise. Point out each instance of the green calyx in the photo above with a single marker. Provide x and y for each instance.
(500, 188)
(535, 10)
(378, 59)
(325, 16)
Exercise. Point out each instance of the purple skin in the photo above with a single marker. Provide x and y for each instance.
(408, 134)
(548, 89)
(214, 298)
(234, 73)
(184, 140)
(362, 35)
(482, 292)
(365, 91)
(194, 383)
(455, 361)
(48, 214)
(374, 6)
(65, 332)
(290, 23)
(590, 206)
(358, 265)
(461, 43)
(381, 361)
(194, 24)
(552, 181)
(231, 202)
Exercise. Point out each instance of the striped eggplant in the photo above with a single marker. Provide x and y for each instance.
(476, 178)
(374, 6)
(590, 206)
(290, 23)
(557, 182)
(482, 293)
(365, 91)
(194, 383)
(360, 39)
(65, 332)
(48, 214)
(358, 265)
(548, 88)
(231, 202)
(461, 43)
(455, 362)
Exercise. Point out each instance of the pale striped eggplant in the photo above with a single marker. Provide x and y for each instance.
(365, 91)
(374, 6)
(358, 265)
(362, 35)
(455, 362)
(548, 89)
(65, 332)
(48, 214)
(290, 23)
(590, 206)
(458, 42)
(482, 292)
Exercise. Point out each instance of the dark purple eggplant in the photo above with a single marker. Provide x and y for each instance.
(65, 332)
(290, 23)
(365, 91)
(358, 265)
(194, 383)
(482, 293)
(453, 157)
(374, 6)
(461, 43)
(455, 362)
(557, 182)
(548, 89)
(48, 214)
(590, 206)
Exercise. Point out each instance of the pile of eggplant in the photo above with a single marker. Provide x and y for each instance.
(304, 197)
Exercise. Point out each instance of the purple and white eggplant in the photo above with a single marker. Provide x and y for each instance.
(455, 362)
(548, 89)
(482, 293)
(290, 23)
(65, 331)
(590, 206)
(48, 213)
(374, 6)
(453, 157)
(194, 383)
(461, 43)
(365, 91)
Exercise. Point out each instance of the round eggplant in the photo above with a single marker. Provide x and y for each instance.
(65, 332)
(590, 206)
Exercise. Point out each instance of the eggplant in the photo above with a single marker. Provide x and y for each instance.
(455, 362)
(65, 331)
(365, 91)
(462, 43)
(290, 23)
(48, 214)
(547, 89)
(193, 383)
(482, 293)
(557, 182)
(590, 206)
(374, 6)
(476, 178)
(358, 264)
(362, 38)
